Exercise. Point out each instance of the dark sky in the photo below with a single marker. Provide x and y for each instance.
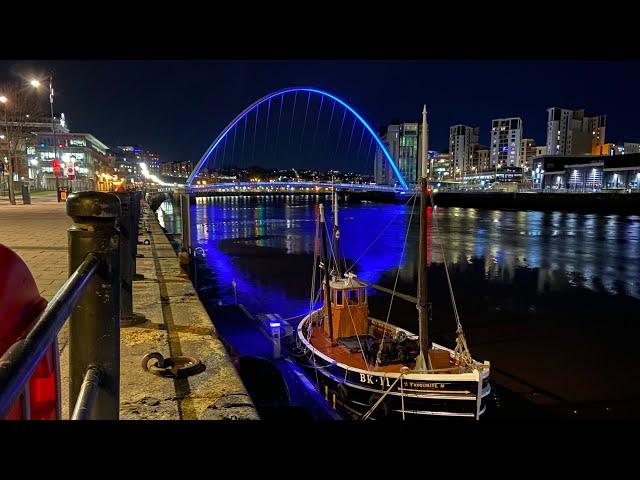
(178, 107)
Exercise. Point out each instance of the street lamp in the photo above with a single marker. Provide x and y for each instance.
(36, 84)
(12, 195)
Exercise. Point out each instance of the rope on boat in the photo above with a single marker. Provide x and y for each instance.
(395, 283)
(461, 350)
(364, 357)
(316, 244)
(380, 234)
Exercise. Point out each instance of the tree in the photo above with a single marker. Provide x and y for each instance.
(21, 109)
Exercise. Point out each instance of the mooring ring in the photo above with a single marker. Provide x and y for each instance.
(172, 367)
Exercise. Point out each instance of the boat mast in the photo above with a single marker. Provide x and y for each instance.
(325, 263)
(336, 230)
(424, 308)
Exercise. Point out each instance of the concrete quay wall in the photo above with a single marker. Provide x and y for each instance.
(177, 325)
(626, 203)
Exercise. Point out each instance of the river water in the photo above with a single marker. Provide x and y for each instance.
(552, 299)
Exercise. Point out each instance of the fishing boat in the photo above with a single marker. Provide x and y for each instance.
(372, 368)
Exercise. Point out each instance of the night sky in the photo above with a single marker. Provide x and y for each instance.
(178, 107)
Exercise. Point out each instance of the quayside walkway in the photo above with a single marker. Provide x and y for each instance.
(176, 323)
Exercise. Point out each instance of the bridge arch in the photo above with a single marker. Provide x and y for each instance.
(284, 91)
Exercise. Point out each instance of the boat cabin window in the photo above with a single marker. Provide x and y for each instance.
(338, 299)
(352, 297)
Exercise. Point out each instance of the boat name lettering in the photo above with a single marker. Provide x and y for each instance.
(426, 385)
(370, 379)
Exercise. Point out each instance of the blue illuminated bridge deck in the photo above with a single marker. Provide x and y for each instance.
(295, 186)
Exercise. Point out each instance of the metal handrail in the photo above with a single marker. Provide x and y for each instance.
(20, 360)
(90, 385)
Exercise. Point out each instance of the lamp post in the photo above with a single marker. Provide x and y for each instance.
(12, 193)
(36, 84)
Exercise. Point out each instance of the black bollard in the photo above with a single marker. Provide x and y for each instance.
(136, 235)
(94, 327)
(26, 194)
(127, 261)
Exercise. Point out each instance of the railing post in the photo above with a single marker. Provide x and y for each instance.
(136, 225)
(127, 259)
(94, 328)
(185, 219)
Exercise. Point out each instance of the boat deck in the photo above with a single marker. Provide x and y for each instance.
(440, 359)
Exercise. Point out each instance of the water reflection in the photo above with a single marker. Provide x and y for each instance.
(266, 245)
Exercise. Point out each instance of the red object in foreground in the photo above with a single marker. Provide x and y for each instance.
(55, 165)
(20, 305)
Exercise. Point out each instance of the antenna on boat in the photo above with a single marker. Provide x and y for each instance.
(424, 308)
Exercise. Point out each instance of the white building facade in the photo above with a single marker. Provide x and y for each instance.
(462, 141)
(506, 142)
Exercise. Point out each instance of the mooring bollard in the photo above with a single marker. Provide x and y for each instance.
(94, 327)
(127, 260)
(136, 225)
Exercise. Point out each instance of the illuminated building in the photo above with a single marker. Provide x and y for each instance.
(442, 166)
(480, 159)
(462, 141)
(179, 169)
(569, 132)
(26, 168)
(82, 151)
(128, 159)
(585, 173)
(403, 141)
(528, 151)
(506, 142)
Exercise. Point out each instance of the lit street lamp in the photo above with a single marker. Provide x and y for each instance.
(36, 84)
(12, 194)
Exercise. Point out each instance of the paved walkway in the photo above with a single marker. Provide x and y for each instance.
(38, 233)
(177, 323)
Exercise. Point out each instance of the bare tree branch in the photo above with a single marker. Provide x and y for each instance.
(23, 107)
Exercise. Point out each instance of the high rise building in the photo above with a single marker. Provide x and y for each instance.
(506, 142)
(129, 157)
(181, 169)
(408, 153)
(528, 151)
(480, 159)
(462, 139)
(569, 132)
(403, 141)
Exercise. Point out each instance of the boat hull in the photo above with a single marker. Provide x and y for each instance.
(409, 395)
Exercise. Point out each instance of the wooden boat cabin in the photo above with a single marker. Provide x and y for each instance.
(349, 308)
